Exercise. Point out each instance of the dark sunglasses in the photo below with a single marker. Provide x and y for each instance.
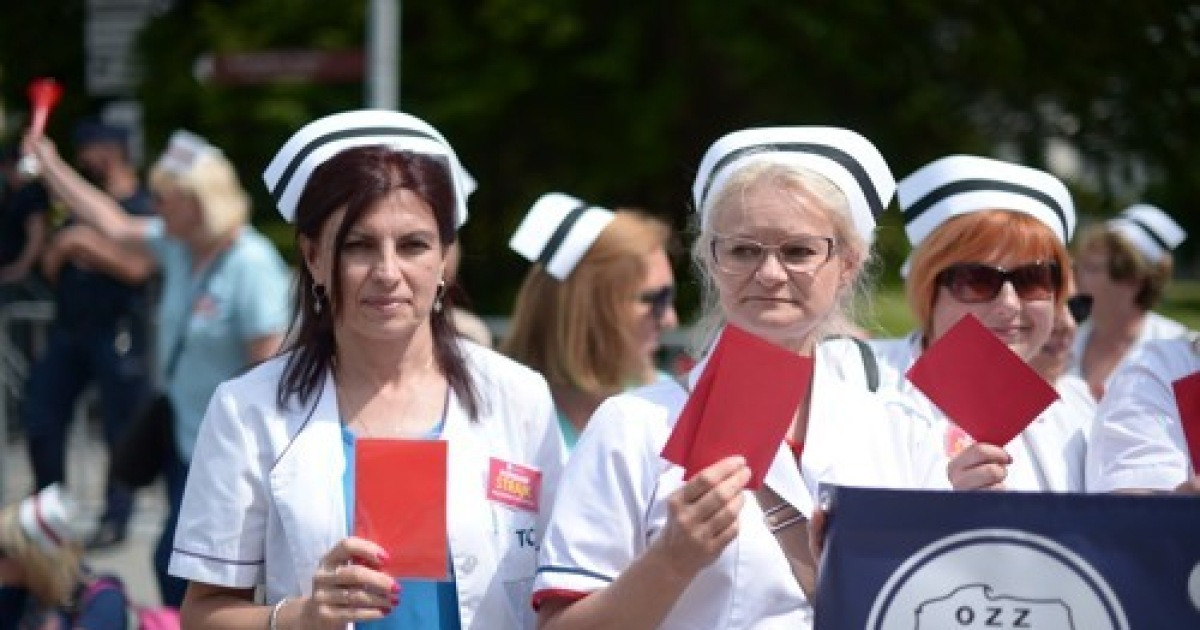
(659, 300)
(972, 283)
(1080, 307)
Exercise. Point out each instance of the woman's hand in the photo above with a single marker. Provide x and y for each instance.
(979, 467)
(1191, 486)
(349, 587)
(703, 517)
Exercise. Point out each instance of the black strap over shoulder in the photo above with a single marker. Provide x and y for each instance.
(870, 363)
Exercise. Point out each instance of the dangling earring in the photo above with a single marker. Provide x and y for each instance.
(437, 297)
(318, 295)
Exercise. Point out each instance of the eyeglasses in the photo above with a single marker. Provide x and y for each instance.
(743, 256)
(973, 283)
(659, 300)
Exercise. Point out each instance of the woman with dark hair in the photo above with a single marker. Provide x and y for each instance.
(376, 198)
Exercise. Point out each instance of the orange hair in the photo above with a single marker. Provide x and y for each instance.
(980, 237)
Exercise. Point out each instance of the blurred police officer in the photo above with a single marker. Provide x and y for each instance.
(99, 331)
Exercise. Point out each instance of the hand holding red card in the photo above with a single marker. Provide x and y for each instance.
(743, 404)
(978, 382)
(400, 504)
(1187, 398)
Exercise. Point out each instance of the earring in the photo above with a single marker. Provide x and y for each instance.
(437, 297)
(318, 295)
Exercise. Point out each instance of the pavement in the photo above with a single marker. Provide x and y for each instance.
(86, 463)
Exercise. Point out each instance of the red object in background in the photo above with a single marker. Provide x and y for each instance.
(44, 94)
(1187, 398)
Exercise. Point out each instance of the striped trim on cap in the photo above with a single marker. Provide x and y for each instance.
(184, 151)
(46, 518)
(557, 232)
(320, 140)
(963, 184)
(846, 158)
(1153, 232)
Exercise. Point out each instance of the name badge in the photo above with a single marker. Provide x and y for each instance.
(514, 485)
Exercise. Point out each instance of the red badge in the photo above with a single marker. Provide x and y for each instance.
(514, 485)
(956, 440)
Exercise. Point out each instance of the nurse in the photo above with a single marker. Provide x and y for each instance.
(989, 239)
(1125, 265)
(593, 308)
(376, 198)
(1138, 443)
(785, 216)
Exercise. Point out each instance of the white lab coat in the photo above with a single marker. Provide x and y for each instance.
(1138, 441)
(1155, 327)
(620, 485)
(1048, 456)
(264, 499)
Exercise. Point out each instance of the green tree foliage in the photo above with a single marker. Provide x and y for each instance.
(615, 101)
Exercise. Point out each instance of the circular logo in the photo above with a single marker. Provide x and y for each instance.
(996, 578)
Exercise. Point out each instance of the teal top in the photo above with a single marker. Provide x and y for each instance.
(571, 434)
(424, 605)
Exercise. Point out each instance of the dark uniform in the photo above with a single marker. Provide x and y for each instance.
(99, 335)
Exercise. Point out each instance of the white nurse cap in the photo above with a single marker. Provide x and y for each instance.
(962, 184)
(47, 518)
(557, 231)
(1152, 231)
(184, 150)
(846, 158)
(320, 140)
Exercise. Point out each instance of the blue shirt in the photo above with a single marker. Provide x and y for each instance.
(424, 605)
(245, 295)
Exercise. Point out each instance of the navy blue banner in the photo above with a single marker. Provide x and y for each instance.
(929, 560)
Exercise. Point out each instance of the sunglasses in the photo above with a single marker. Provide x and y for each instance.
(659, 300)
(973, 283)
(1080, 306)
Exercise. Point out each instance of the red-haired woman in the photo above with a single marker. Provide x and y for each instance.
(989, 240)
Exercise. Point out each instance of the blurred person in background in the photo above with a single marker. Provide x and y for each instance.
(1124, 264)
(467, 323)
(224, 302)
(101, 317)
(44, 584)
(591, 311)
(989, 239)
(24, 205)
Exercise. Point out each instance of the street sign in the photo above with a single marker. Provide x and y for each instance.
(273, 66)
(109, 33)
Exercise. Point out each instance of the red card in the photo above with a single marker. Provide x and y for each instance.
(743, 405)
(1187, 398)
(400, 504)
(980, 383)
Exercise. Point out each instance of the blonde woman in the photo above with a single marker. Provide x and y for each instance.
(43, 583)
(224, 302)
(592, 310)
(785, 215)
